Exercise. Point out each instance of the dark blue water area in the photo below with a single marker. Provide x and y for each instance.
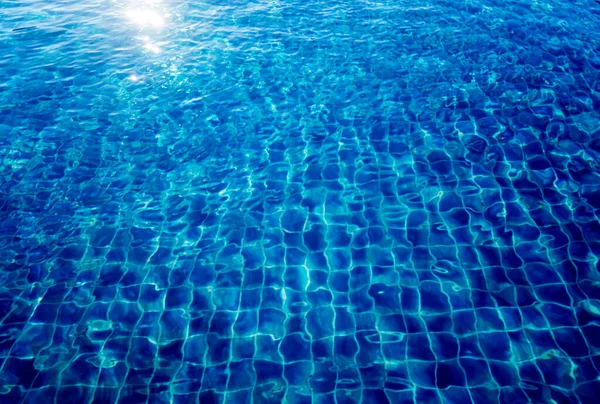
(266, 201)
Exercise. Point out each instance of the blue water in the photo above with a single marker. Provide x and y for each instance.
(299, 201)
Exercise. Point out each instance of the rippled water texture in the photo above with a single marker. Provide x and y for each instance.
(302, 201)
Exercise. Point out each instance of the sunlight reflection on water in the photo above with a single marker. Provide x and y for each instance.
(145, 17)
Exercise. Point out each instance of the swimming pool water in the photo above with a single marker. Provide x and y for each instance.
(338, 201)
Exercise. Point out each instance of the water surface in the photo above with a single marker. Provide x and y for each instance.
(303, 201)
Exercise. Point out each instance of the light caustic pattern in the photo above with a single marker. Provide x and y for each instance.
(301, 201)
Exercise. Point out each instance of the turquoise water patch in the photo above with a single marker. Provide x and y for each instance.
(329, 202)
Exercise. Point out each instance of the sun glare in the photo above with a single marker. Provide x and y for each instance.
(145, 17)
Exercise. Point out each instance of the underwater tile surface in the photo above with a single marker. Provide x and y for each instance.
(299, 201)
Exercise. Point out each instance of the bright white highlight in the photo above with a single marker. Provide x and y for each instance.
(145, 17)
(152, 48)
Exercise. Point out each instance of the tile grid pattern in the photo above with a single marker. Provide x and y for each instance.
(425, 231)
